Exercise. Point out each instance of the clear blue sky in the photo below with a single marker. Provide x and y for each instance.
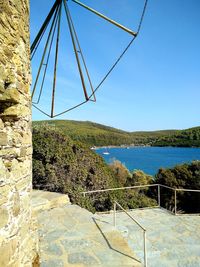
(157, 83)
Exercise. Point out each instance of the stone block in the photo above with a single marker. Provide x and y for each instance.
(25, 151)
(23, 183)
(16, 139)
(11, 95)
(1, 124)
(25, 202)
(2, 73)
(10, 152)
(3, 139)
(7, 251)
(5, 190)
(20, 169)
(4, 217)
(2, 88)
(24, 229)
(3, 200)
(3, 171)
(17, 111)
(26, 138)
(16, 204)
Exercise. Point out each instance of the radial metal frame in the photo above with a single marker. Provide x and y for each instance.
(55, 16)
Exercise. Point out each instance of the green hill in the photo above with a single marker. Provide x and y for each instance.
(94, 134)
(182, 138)
(61, 164)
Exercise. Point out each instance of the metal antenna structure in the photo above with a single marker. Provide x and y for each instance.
(52, 23)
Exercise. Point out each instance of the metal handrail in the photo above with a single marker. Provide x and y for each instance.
(144, 230)
(148, 185)
(167, 186)
(187, 190)
(118, 188)
(175, 196)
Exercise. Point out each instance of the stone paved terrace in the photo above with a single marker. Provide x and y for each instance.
(172, 241)
(73, 237)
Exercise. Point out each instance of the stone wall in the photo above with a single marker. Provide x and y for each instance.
(17, 236)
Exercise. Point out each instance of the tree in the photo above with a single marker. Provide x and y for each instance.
(121, 172)
(181, 176)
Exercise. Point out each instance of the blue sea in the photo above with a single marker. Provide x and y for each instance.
(150, 159)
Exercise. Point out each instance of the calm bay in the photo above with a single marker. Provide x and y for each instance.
(150, 159)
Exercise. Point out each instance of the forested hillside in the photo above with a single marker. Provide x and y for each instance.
(94, 134)
(91, 133)
(61, 164)
(184, 138)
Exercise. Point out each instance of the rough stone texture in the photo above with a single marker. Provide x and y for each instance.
(18, 239)
(44, 200)
(171, 240)
(71, 236)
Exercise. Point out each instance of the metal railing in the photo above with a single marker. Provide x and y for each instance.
(183, 190)
(118, 188)
(144, 230)
(175, 190)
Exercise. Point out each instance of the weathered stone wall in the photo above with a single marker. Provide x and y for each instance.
(17, 236)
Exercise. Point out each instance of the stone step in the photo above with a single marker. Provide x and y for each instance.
(44, 200)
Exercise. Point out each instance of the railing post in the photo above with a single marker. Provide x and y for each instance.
(175, 205)
(158, 195)
(114, 215)
(145, 249)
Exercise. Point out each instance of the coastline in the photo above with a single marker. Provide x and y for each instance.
(119, 146)
(141, 145)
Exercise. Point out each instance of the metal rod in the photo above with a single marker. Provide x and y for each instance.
(145, 249)
(72, 108)
(188, 190)
(175, 205)
(56, 62)
(44, 53)
(106, 18)
(167, 187)
(46, 64)
(38, 43)
(158, 195)
(120, 188)
(144, 230)
(114, 215)
(44, 25)
(75, 50)
(130, 216)
(83, 59)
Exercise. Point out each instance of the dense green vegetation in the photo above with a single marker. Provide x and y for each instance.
(184, 138)
(182, 176)
(91, 133)
(94, 134)
(61, 164)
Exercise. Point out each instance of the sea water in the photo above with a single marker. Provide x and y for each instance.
(150, 159)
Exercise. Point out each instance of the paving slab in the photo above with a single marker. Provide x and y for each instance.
(73, 237)
(172, 241)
